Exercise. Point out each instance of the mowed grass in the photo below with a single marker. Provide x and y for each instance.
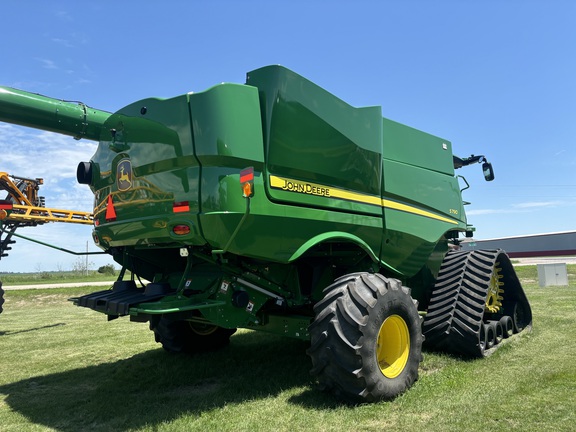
(15, 279)
(66, 368)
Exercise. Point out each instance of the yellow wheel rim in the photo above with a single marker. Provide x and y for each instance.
(203, 329)
(393, 346)
(495, 291)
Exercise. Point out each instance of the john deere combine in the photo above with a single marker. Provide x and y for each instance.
(276, 206)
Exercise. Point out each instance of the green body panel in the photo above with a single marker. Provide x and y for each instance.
(163, 170)
(312, 136)
(228, 138)
(413, 147)
(418, 172)
(335, 189)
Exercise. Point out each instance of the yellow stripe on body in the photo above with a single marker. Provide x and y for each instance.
(330, 192)
(409, 209)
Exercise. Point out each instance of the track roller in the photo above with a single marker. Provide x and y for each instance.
(507, 326)
(498, 331)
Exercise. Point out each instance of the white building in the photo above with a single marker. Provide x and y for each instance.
(535, 245)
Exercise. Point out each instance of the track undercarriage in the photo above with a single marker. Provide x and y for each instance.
(477, 301)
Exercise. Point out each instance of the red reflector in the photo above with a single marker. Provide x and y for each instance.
(179, 207)
(181, 230)
(6, 205)
(110, 211)
(247, 175)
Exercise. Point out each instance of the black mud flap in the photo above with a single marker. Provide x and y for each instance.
(117, 301)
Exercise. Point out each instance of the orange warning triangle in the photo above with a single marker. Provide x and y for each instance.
(110, 212)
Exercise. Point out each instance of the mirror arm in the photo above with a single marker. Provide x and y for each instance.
(460, 162)
(486, 166)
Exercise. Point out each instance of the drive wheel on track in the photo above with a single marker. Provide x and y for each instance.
(180, 336)
(521, 317)
(366, 340)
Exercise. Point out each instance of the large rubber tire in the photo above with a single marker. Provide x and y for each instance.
(178, 336)
(366, 339)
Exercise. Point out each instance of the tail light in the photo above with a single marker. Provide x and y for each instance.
(181, 229)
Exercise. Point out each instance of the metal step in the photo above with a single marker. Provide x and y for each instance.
(123, 295)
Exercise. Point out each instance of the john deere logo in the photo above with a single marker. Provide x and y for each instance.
(124, 175)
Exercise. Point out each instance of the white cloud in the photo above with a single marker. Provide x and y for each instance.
(494, 211)
(27, 256)
(538, 204)
(64, 42)
(47, 63)
(483, 212)
(523, 207)
(30, 153)
(52, 157)
(64, 15)
(42, 152)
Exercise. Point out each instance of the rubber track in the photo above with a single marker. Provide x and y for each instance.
(455, 314)
(1, 297)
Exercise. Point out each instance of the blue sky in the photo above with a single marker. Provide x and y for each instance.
(493, 77)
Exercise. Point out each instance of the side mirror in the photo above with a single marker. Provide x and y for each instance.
(488, 171)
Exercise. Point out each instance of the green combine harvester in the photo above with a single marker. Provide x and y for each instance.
(276, 206)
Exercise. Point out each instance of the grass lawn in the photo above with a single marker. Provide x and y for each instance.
(66, 368)
(14, 279)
